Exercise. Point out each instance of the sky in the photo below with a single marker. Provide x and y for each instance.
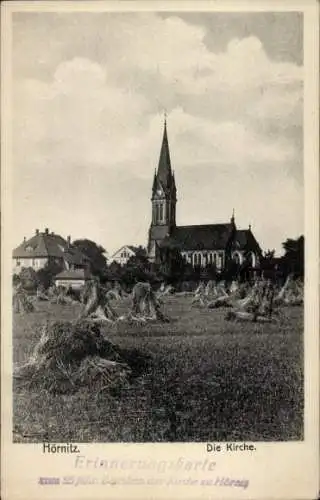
(89, 94)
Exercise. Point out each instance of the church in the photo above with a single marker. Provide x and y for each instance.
(200, 245)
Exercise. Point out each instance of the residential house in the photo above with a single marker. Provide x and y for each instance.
(124, 253)
(45, 248)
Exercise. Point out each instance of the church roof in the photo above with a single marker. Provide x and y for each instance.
(245, 240)
(211, 237)
(202, 237)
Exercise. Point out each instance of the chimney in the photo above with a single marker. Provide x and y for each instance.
(46, 230)
(69, 241)
(37, 232)
(24, 239)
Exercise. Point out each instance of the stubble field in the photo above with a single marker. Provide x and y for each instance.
(207, 380)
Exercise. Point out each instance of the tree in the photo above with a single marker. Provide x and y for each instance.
(141, 253)
(211, 271)
(28, 278)
(95, 254)
(45, 276)
(231, 271)
(293, 258)
(138, 268)
(140, 258)
(268, 264)
(268, 255)
(172, 265)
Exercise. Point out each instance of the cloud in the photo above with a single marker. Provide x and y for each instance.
(77, 118)
(98, 112)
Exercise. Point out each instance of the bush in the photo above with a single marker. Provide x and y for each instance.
(45, 276)
(29, 279)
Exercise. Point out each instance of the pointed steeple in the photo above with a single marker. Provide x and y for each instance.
(154, 185)
(232, 220)
(164, 197)
(164, 167)
(173, 181)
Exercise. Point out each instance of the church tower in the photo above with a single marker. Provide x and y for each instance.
(163, 200)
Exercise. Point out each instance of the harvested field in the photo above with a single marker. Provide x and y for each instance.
(206, 379)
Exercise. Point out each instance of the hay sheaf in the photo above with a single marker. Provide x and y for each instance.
(21, 303)
(69, 356)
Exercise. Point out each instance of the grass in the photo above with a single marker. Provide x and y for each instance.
(208, 380)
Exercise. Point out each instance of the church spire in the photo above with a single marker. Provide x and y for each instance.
(164, 167)
(154, 185)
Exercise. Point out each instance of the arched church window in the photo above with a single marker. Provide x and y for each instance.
(236, 257)
(154, 214)
(197, 259)
(222, 259)
(161, 213)
(252, 259)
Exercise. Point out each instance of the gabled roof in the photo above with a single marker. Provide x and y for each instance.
(135, 249)
(76, 274)
(245, 240)
(202, 237)
(132, 248)
(49, 245)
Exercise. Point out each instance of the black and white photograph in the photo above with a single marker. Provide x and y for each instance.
(158, 219)
(158, 232)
